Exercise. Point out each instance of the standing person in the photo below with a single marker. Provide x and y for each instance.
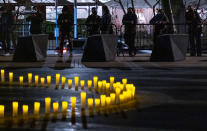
(6, 24)
(93, 22)
(159, 21)
(13, 28)
(36, 21)
(194, 29)
(130, 21)
(106, 25)
(65, 20)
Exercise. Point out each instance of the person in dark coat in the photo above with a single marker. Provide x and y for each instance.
(130, 21)
(106, 25)
(194, 29)
(65, 21)
(93, 23)
(6, 25)
(36, 21)
(159, 21)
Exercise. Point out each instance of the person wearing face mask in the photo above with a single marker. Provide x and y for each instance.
(93, 23)
(65, 21)
(130, 21)
(193, 21)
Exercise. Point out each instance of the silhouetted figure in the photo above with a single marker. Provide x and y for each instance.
(106, 25)
(93, 23)
(6, 24)
(130, 21)
(194, 29)
(36, 21)
(65, 20)
(159, 21)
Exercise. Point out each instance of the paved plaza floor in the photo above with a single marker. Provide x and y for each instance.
(172, 95)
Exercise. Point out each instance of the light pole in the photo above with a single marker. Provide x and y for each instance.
(75, 19)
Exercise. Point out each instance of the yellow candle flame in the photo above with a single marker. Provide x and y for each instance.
(64, 106)
(36, 108)
(25, 109)
(83, 99)
(103, 100)
(1, 111)
(36, 80)
(90, 103)
(55, 107)
(15, 108)
(70, 82)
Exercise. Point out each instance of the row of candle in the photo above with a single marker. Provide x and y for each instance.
(98, 85)
(103, 101)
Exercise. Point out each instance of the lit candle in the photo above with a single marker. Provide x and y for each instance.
(2, 75)
(73, 102)
(49, 78)
(25, 109)
(63, 81)
(47, 104)
(36, 108)
(112, 80)
(55, 107)
(1, 111)
(108, 101)
(107, 87)
(95, 81)
(10, 78)
(64, 106)
(36, 80)
(125, 96)
(70, 82)
(103, 85)
(15, 108)
(114, 86)
(99, 86)
(124, 82)
(82, 83)
(21, 79)
(83, 99)
(90, 85)
(76, 81)
(112, 96)
(97, 102)
(90, 103)
(42, 80)
(103, 100)
(117, 94)
(133, 91)
(57, 79)
(29, 78)
(129, 95)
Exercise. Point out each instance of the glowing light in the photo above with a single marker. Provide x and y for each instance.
(15, 108)
(63, 81)
(83, 99)
(97, 102)
(70, 82)
(76, 81)
(73, 102)
(29, 78)
(21, 80)
(95, 81)
(82, 83)
(49, 80)
(2, 75)
(47, 104)
(90, 103)
(103, 100)
(108, 101)
(1, 111)
(64, 106)
(36, 108)
(55, 107)
(90, 85)
(10, 78)
(42, 81)
(36, 80)
(25, 109)
(57, 79)
(112, 80)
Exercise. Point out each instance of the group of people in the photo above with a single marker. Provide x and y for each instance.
(193, 22)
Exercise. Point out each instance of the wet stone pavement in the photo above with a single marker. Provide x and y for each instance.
(170, 99)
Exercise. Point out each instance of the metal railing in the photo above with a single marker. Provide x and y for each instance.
(144, 33)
